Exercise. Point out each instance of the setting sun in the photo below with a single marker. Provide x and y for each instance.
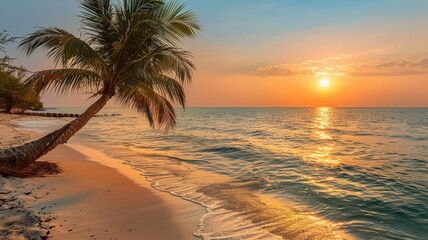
(324, 83)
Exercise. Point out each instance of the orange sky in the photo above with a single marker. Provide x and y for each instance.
(367, 65)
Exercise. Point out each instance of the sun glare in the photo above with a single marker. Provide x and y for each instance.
(324, 83)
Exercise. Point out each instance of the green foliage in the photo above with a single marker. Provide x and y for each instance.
(131, 51)
(13, 93)
(35, 104)
(9, 88)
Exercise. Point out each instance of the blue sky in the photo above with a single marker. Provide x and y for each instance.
(226, 20)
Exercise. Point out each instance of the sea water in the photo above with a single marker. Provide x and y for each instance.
(296, 173)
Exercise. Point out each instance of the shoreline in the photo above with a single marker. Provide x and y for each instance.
(95, 197)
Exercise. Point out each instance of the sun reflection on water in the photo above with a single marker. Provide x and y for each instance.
(322, 154)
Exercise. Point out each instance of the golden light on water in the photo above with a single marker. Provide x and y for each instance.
(322, 154)
(322, 119)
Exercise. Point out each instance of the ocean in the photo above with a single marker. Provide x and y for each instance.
(267, 173)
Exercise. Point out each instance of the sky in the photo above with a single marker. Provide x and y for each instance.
(274, 53)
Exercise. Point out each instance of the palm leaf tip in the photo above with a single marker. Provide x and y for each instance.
(159, 111)
(179, 23)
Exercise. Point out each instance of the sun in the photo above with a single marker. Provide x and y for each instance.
(324, 83)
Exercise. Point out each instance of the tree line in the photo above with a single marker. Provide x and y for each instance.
(14, 94)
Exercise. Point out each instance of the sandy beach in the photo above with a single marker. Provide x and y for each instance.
(88, 200)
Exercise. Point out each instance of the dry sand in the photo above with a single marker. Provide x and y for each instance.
(89, 200)
(8, 135)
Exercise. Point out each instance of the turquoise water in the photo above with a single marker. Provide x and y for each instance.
(362, 170)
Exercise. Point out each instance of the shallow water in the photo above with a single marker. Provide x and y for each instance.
(333, 171)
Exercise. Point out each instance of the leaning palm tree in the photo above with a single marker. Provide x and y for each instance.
(130, 52)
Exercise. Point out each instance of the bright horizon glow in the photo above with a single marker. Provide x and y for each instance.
(324, 83)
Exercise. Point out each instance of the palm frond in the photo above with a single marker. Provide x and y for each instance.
(63, 47)
(163, 60)
(164, 85)
(133, 7)
(97, 20)
(134, 23)
(64, 81)
(177, 22)
(158, 110)
(171, 88)
(177, 63)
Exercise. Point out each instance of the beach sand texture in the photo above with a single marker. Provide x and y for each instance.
(89, 200)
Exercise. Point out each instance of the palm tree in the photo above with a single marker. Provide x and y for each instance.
(130, 53)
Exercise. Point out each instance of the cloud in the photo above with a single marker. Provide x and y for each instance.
(390, 68)
(329, 66)
(314, 67)
(381, 51)
(340, 66)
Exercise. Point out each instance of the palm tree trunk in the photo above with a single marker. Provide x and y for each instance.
(9, 104)
(8, 108)
(28, 153)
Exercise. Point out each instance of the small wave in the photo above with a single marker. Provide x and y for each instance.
(259, 133)
(222, 149)
(247, 153)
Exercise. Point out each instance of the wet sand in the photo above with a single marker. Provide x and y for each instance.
(90, 200)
